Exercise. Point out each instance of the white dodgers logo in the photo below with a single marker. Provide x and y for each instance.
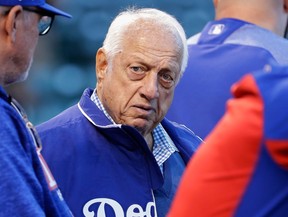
(216, 29)
(132, 211)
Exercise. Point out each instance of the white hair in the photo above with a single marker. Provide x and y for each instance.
(117, 28)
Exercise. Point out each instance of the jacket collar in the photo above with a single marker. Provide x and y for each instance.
(93, 113)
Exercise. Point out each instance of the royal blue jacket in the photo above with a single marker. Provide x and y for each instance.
(225, 50)
(24, 190)
(103, 168)
(242, 169)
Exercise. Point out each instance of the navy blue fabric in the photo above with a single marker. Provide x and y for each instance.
(173, 170)
(101, 168)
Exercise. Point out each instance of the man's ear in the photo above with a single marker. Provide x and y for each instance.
(285, 6)
(215, 2)
(12, 22)
(101, 64)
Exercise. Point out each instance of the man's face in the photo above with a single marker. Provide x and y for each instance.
(23, 44)
(137, 85)
(29, 40)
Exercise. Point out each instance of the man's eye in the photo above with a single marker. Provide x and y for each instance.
(167, 80)
(167, 77)
(136, 69)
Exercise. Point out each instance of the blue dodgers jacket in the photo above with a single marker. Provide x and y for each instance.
(242, 169)
(103, 169)
(226, 50)
(26, 185)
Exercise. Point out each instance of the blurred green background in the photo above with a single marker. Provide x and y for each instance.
(64, 62)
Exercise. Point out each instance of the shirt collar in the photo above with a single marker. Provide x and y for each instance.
(163, 145)
(94, 97)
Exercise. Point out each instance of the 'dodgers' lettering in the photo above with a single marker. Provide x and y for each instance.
(135, 210)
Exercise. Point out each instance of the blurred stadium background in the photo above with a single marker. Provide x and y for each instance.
(64, 62)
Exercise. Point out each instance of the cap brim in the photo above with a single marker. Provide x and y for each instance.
(54, 10)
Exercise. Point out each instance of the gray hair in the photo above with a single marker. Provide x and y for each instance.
(115, 34)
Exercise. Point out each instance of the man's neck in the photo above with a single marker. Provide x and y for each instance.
(149, 140)
(253, 14)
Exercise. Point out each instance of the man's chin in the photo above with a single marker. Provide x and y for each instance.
(16, 79)
(142, 125)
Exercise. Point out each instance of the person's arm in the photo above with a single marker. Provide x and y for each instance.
(21, 192)
(219, 171)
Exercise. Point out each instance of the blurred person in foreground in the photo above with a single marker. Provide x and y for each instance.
(26, 185)
(242, 168)
(114, 153)
(244, 37)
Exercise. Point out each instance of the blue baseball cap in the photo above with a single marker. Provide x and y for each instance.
(35, 3)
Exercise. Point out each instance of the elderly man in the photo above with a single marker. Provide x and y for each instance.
(114, 153)
(244, 37)
(24, 189)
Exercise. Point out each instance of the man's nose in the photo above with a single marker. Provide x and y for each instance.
(150, 88)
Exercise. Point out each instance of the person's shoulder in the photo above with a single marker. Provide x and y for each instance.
(180, 130)
(217, 29)
(184, 138)
(63, 119)
(272, 84)
(273, 80)
(193, 39)
(9, 119)
(252, 34)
